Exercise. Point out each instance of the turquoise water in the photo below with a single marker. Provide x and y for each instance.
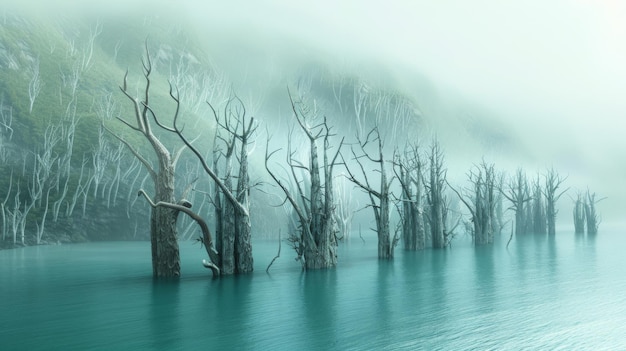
(564, 293)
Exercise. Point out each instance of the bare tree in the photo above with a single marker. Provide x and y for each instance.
(408, 170)
(437, 204)
(232, 203)
(379, 197)
(481, 202)
(552, 193)
(87, 53)
(579, 214)
(592, 217)
(240, 259)
(316, 242)
(5, 210)
(539, 220)
(34, 85)
(518, 194)
(163, 231)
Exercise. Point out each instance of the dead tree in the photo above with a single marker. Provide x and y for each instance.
(481, 202)
(163, 231)
(239, 259)
(232, 203)
(517, 192)
(498, 220)
(312, 201)
(435, 187)
(34, 85)
(579, 213)
(408, 171)
(539, 220)
(379, 197)
(592, 217)
(224, 210)
(553, 181)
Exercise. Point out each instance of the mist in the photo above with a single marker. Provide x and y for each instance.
(549, 74)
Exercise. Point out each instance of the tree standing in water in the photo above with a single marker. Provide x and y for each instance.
(163, 232)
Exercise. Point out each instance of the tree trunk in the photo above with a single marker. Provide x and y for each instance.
(385, 246)
(243, 245)
(579, 216)
(163, 232)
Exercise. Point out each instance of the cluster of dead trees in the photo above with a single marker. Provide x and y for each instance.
(311, 180)
(413, 181)
(534, 204)
(585, 215)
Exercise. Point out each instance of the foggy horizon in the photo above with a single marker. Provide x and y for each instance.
(551, 73)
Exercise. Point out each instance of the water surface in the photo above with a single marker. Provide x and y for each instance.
(564, 292)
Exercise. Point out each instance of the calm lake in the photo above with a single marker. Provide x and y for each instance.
(565, 292)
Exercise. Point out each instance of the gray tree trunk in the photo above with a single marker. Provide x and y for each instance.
(379, 199)
(435, 196)
(553, 182)
(243, 239)
(579, 215)
(315, 241)
(163, 232)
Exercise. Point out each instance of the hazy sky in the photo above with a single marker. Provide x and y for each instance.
(553, 70)
(548, 63)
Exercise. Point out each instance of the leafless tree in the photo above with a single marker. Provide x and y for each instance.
(232, 203)
(311, 200)
(579, 213)
(6, 118)
(87, 53)
(163, 231)
(5, 210)
(539, 220)
(34, 85)
(481, 202)
(435, 196)
(592, 217)
(408, 169)
(379, 196)
(518, 194)
(552, 193)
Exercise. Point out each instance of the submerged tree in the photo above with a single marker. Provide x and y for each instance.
(232, 207)
(379, 196)
(312, 201)
(592, 217)
(579, 214)
(437, 206)
(408, 170)
(553, 182)
(163, 232)
(481, 202)
(539, 220)
(165, 208)
(519, 195)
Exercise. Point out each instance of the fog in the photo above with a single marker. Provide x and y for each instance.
(551, 72)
